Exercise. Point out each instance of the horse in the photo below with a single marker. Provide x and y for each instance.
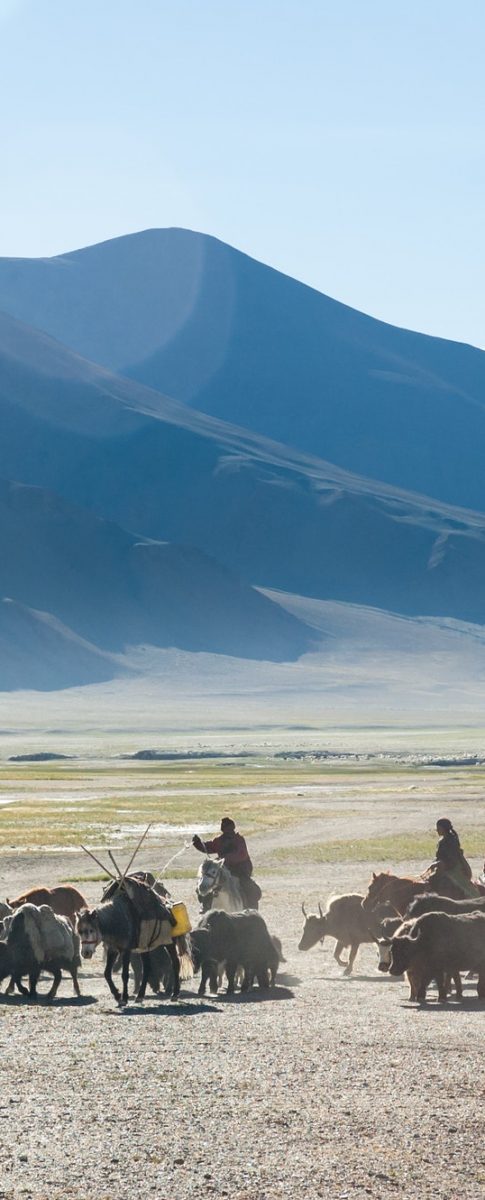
(65, 900)
(399, 890)
(129, 918)
(216, 883)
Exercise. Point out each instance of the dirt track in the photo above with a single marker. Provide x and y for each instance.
(331, 1088)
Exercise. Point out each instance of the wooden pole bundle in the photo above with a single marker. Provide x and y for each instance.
(120, 877)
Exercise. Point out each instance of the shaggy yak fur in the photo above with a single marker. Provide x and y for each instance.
(39, 940)
(395, 929)
(431, 902)
(438, 945)
(241, 940)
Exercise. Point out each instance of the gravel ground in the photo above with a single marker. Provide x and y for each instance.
(330, 1088)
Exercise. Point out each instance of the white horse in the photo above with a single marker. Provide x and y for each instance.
(217, 888)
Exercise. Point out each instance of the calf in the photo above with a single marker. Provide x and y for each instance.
(439, 945)
(345, 920)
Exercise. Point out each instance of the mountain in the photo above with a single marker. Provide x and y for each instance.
(197, 320)
(100, 590)
(276, 517)
(39, 652)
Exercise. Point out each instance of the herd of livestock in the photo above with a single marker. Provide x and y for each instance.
(424, 936)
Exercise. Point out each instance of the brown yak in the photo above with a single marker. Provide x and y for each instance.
(64, 900)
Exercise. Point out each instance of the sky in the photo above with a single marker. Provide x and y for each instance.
(341, 142)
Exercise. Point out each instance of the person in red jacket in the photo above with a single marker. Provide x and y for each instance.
(231, 847)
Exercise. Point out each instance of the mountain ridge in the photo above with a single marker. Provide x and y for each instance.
(276, 516)
(204, 323)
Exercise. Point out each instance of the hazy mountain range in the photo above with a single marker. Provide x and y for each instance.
(189, 426)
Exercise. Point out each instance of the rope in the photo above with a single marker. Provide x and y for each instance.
(162, 870)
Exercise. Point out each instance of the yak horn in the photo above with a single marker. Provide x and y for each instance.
(320, 909)
(303, 909)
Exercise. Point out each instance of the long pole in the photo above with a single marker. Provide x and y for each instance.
(135, 852)
(96, 860)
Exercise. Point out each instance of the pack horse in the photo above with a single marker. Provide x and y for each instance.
(131, 917)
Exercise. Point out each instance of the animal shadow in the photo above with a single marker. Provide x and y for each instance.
(287, 980)
(257, 995)
(43, 1001)
(451, 1006)
(171, 1008)
(356, 977)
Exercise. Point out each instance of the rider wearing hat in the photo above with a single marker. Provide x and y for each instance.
(231, 847)
(450, 859)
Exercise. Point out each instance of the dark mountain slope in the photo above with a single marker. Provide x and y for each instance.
(114, 590)
(207, 325)
(279, 518)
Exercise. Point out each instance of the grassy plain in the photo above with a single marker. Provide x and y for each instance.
(390, 848)
(295, 811)
(63, 805)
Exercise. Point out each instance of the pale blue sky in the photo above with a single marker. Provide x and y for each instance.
(342, 141)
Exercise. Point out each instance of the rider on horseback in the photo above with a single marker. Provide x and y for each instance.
(450, 859)
(231, 847)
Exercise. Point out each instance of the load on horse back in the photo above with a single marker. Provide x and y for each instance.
(131, 917)
(232, 859)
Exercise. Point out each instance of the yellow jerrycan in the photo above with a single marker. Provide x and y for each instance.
(181, 915)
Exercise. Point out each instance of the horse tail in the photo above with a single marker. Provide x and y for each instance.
(184, 951)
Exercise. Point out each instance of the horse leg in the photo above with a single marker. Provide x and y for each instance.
(174, 958)
(145, 958)
(108, 974)
(75, 981)
(337, 954)
(20, 986)
(353, 951)
(137, 967)
(125, 974)
(57, 973)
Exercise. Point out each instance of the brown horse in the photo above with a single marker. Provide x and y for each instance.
(399, 890)
(65, 900)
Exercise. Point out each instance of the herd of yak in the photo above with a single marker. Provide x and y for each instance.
(421, 934)
(50, 930)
